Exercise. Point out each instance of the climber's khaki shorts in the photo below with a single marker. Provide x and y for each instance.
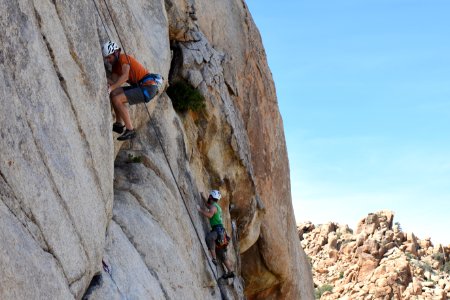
(135, 94)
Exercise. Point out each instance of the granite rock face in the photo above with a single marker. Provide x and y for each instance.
(72, 196)
(56, 151)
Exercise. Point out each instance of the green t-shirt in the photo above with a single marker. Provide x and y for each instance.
(216, 219)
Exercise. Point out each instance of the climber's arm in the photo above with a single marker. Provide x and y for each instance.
(207, 213)
(119, 80)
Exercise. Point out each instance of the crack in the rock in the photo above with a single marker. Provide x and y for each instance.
(50, 251)
(27, 215)
(33, 219)
(63, 84)
(79, 278)
(140, 200)
(41, 151)
(141, 256)
(149, 164)
(73, 54)
(155, 275)
(58, 194)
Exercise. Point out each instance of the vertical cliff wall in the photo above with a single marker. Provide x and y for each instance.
(56, 150)
(269, 249)
(70, 197)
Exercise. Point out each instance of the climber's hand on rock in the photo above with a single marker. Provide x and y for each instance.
(198, 208)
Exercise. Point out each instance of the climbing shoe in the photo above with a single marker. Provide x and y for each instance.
(228, 275)
(127, 135)
(118, 127)
(214, 261)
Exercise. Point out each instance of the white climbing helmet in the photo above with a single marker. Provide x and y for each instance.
(215, 194)
(109, 48)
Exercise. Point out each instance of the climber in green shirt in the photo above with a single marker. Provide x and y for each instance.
(216, 239)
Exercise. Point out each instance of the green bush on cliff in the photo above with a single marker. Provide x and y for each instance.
(134, 159)
(185, 97)
(321, 290)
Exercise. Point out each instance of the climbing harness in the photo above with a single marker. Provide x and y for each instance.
(222, 238)
(155, 79)
(164, 152)
(98, 12)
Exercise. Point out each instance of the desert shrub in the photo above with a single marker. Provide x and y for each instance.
(185, 97)
(439, 257)
(446, 267)
(320, 290)
(399, 226)
(426, 266)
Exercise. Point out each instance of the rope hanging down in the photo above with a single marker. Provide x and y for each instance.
(103, 23)
(179, 191)
(115, 28)
(162, 148)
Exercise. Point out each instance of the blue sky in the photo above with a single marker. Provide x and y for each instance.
(364, 91)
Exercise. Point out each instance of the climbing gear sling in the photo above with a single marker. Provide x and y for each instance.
(223, 239)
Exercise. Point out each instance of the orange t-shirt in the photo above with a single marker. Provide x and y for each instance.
(137, 71)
